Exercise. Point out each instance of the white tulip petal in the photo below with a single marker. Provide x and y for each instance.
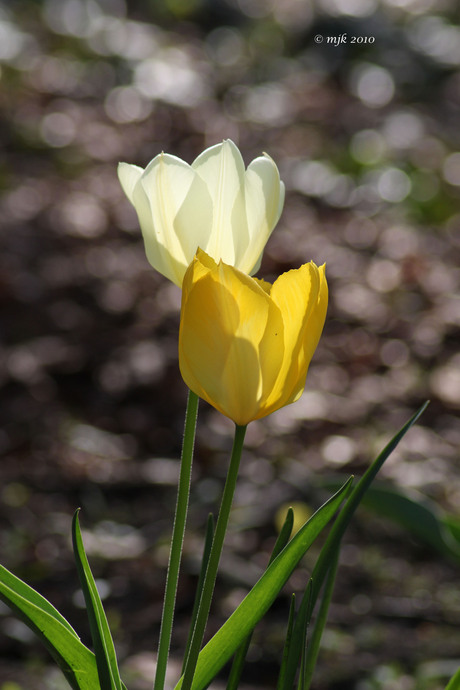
(256, 267)
(262, 183)
(240, 233)
(281, 201)
(214, 204)
(179, 202)
(263, 205)
(222, 169)
(157, 254)
(193, 222)
(215, 160)
(166, 182)
(129, 175)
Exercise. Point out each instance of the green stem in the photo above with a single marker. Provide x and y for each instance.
(214, 558)
(177, 541)
(204, 564)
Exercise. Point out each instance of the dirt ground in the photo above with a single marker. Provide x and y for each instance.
(365, 134)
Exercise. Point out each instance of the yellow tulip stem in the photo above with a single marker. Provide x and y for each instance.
(177, 540)
(214, 558)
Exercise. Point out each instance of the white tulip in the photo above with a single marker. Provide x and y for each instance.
(214, 204)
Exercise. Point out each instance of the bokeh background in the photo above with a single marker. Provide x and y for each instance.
(358, 102)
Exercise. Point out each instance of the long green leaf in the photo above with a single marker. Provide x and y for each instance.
(302, 674)
(284, 535)
(75, 660)
(10, 581)
(332, 543)
(454, 683)
(413, 511)
(287, 644)
(290, 661)
(340, 525)
(312, 651)
(417, 514)
(253, 607)
(107, 666)
(240, 656)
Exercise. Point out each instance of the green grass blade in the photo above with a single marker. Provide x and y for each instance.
(76, 661)
(240, 656)
(109, 676)
(302, 675)
(414, 512)
(312, 650)
(238, 664)
(254, 606)
(454, 683)
(352, 503)
(332, 543)
(284, 535)
(423, 518)
(12, 582)
(287, 645)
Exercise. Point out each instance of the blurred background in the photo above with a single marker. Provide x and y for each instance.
(358, 102)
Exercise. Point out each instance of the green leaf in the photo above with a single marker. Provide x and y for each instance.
(109, 676)
(287, 644)
(75, 660)
(302, 676)
(454, 683)
(240, 656)
(284, 535)
(253, 607)
(340, 525)
(413, 511)
(312, 651)
(7, 579)
(416, 513)
(334, 537)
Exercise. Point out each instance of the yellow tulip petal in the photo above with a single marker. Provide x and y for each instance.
(296, 294)
(228, 324)
(317, 317)
(245, 345)
(264, 284)
(310, 337)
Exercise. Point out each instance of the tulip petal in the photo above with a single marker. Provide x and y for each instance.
(316, 318)
(262, 178)
(214, 204)
(245, 345)
(129, 175)
(264, 198)
(221, 167)
(228, 325)
(177, 201)
(280, 201)
(296, 293)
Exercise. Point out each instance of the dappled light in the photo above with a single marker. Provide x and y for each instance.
(358, 103)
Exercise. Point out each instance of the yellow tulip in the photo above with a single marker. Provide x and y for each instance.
(214, 204)
(245, 345)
